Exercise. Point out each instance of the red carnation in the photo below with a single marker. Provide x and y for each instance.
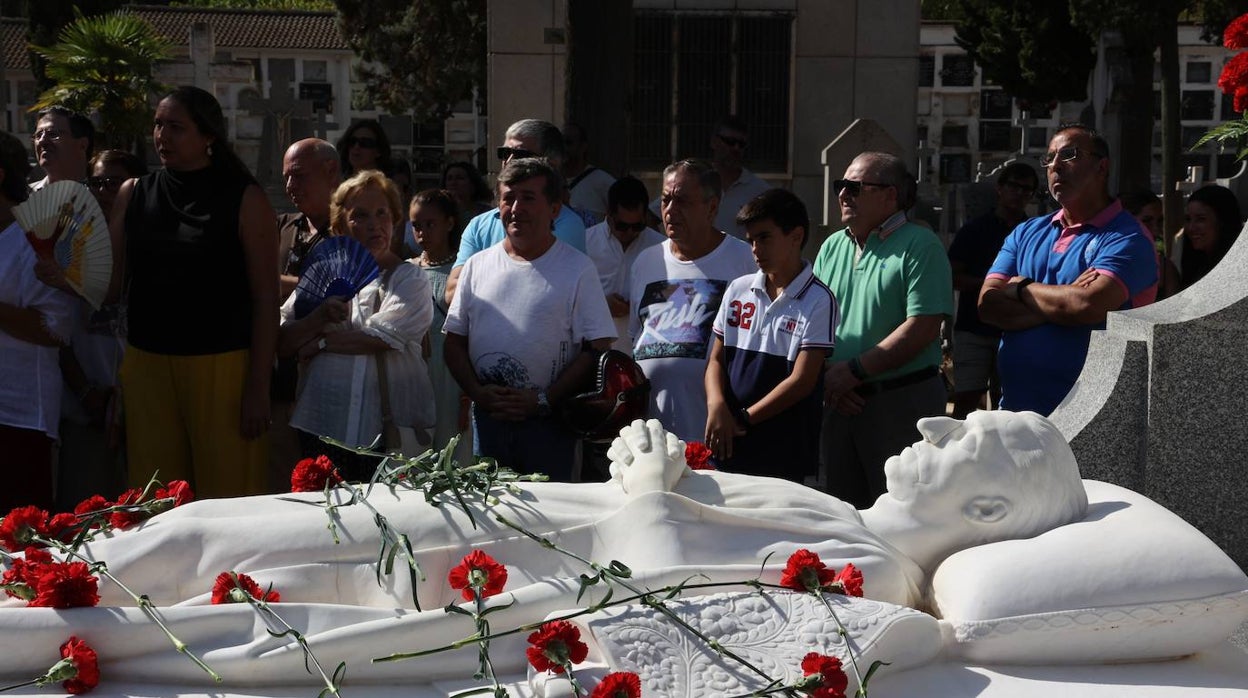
(555, 645)
(698, 456)
(63, 527)
(850, 579)
(618, 684)
(22, 577)
(806, 572)
(1236, 33)
(1234, 74)
(177, 490)
(91, 505)
(832, 679)
(20, 525)
(66, 585)
(227, 583)
(1241, 98)
(124, 519)
(86, 666)
(478, 572)
(312, 475)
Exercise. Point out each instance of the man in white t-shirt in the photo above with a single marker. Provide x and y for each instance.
(675, 293)
(615, 244)
(525, 327)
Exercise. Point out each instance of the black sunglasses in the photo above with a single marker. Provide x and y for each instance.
(505, 153)
(734, 142)
(364, 142)
(629, 227)
(854, 188)
(110, 183)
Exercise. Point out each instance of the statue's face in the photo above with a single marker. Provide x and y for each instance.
(955, 462)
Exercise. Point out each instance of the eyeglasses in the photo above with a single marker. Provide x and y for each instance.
(1068, 154)
(854, 188)
(48, 135)
(109, 183)
(629, 227)
(734, 142)
(505, 153)
(364, 142)
(1020, 187)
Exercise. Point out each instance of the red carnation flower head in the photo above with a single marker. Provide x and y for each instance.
(22, 524)
(806, 572)
(66, 585)
(618, 684)
(832, 678)
(230, 587)
(22, 578)
(1236, 33)
(63, 527)
(1234, 74)
(124, 519)
(849, 579)
(555, 645)
(313, 474)
(79, 668)
(698, 456)
(1241, 99)
(479, 573)
(177, 490)
(89, 506)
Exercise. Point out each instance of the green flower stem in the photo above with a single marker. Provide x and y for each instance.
(266, 611)
(24, 684)
(849, 649)
(148, 608)
(483, 631)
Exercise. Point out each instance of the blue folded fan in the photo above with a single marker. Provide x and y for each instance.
(339, 266)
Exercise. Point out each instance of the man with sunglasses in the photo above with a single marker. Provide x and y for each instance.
(527, 138)
(64, 141)
(974, 248)
(893, 283)
(1057, 277)
(614, 244)
(740, 186)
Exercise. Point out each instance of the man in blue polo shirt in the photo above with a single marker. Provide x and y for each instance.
(1057, 277)
(527, 138)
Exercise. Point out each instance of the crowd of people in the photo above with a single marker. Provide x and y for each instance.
(492, 308)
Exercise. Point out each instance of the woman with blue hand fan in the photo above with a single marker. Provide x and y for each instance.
(356, 322)
(199, 257)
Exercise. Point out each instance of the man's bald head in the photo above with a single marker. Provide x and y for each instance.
(310, 171)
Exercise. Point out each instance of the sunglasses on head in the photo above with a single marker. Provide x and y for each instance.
(110, 183)
(505, 153)
(364, 142)
(854, 188)
(629, 227)
(734, 142)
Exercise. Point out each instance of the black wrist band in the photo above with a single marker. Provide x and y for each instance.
(855, 367)
(743, 416)
(1022, 284)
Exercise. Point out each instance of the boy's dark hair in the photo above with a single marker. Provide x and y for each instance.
(627, 192)
(780, 206)
(1019, 171)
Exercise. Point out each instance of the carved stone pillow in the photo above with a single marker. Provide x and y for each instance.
(1131, 581)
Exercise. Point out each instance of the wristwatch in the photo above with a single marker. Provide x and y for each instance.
(543, 404)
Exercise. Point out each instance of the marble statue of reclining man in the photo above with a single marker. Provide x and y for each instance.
(995, 476)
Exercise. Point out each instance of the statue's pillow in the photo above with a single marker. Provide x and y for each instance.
(1131, 581)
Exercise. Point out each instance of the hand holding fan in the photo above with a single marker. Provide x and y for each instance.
(338, 266)
(63, 222)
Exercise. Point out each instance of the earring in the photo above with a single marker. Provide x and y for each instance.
(209, 150)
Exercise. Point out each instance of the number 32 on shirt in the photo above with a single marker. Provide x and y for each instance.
(742, 314)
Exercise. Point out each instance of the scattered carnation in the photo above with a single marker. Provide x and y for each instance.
(91, 505)
(832, 678)
(65, 585)
(22, 578)
(63, 527)
(1235, 35)
(698, 456)
(1234, 75)
(850, 579)
(618, 684)
(86, 667)
(555, 645)
(21, 525)
(177, 490)
(478, 572)
(806, 572)
(225, 584)
(313, 474)
(125, 519)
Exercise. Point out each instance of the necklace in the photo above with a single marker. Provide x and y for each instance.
(425, 261)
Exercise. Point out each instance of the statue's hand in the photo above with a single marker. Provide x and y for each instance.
(645, 457)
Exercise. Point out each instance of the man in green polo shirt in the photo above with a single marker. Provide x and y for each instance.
(893, 282)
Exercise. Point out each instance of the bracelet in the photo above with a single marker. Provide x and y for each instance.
(743, 416)
(855, 367)
(1022, 284)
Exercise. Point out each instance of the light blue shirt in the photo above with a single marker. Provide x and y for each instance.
(486, 230)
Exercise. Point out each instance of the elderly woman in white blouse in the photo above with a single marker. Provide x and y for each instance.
(340, 343)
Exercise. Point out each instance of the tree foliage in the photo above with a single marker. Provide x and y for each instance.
(1029, 48)
(104, 64)
(314, 5)
(421, 56)
(46, 20)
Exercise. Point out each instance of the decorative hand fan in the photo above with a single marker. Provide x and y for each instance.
(63, 222)
(338, 266)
